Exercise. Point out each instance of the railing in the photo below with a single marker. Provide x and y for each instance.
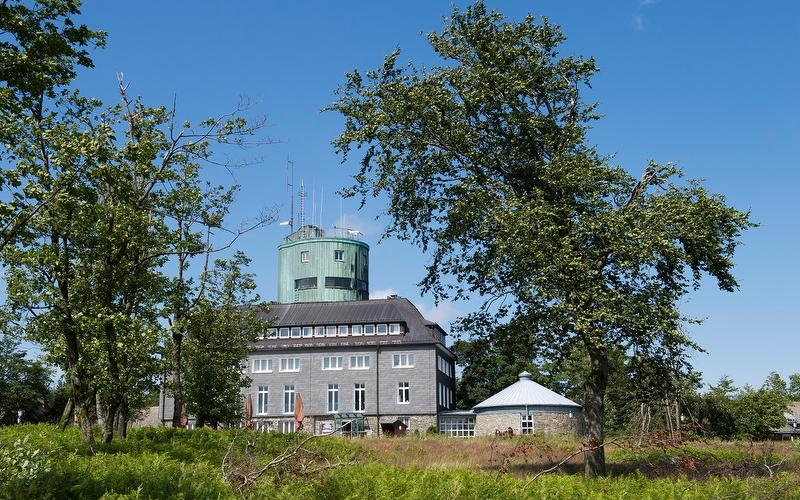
(309, 232)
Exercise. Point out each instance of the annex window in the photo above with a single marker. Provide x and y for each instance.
(290, 364)
(272, 333)
(343, 330)
(403, 361)
(296, 332)
(304, 256)
(262, 399)
(357, 330)
(360, 362)
(262, 365)
(457, 426)
(287, 426)
(284, 333)
(527, 424)
(369, 329)
(319, 331)
(333, 398)
(337, 282)
(403, 392)
(308, 332)
(360, 398)
(330, 331)
(288, 398)
(332, 363)
(443, 365)
(263, 426)
(394, 328)
(383, 329)
(305, 283)
(338, 255)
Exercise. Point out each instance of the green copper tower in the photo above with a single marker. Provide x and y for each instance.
(315, 266)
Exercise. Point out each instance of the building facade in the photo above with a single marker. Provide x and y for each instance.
(358, 365)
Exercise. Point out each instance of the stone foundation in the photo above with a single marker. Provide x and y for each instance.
(548, 423)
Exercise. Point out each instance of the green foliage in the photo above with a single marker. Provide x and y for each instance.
(24, 384)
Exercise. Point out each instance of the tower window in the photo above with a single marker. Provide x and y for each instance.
(305, 283)
(338, 255)
(337, 282)
(304, 256)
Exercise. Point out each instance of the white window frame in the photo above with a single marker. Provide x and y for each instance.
(286, 426)
(272, 333)
(258, 365)
(338, 255)
(382, 326)
(308, 332)
(297, 332)
(403, 393)
(359, 362)
(333, 398)
(394, 329)
(339, 330)
(288, 399)
(304, 256)
(263, 425)
(286, 362)
(359, 396)
(358, 330)
(319, 331)
(527, 425)
(403, 360)
(330, 331)
(367, 328)
(284, 332)
(333, 363)
(262, 400)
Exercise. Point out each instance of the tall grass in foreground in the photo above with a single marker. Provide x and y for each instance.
(161, 463)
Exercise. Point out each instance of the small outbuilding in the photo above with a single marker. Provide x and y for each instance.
(524, 407)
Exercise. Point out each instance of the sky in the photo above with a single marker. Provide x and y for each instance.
(710, 85)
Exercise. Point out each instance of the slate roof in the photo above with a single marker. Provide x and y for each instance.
(525, 392)
(418, 330)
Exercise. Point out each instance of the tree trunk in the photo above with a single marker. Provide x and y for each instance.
(79, 397)
(595, 412)
(177, 370)
(108, 423)
(123, 415)
(67, 416)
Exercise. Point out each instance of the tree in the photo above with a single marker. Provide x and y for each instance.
(485, 164)
(219, 330)
(24, 384)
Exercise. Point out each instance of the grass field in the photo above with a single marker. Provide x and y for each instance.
(42, 462)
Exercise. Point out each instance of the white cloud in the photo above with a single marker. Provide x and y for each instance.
(382, 293)
(443, 314)
(638, 22)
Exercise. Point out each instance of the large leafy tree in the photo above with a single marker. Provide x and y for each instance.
(485, 164)
(24, 384)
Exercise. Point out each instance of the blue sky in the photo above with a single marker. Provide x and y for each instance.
(710, 85)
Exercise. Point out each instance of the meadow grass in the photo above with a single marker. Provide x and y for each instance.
(39, 461)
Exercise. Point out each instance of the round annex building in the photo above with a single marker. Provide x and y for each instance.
(524, 407)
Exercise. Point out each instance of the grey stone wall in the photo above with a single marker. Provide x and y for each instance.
(544, 422)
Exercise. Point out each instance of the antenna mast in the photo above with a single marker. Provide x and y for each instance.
(290, 187)
(302, 209)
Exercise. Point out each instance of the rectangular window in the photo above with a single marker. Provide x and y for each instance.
(403, 393)
(359, 362)
(263, 426)
(359, 398)
(272, 333)
(305, 283)
(527, 424)
(287, 426)
(369, 329)
(288, 398)
(343, 330)
(296, 332)
(319, 331)
(338, 255)
(262, 399)
(304, 256)
(290, 364)
(333, 398)
(284, 333)
(383, 329)
(338, 282)
(457, 426)
(357, 330)
(332, 363)
(330, 331)
(403, 361)
(394, 328)
(262, 365)
(308, 332)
